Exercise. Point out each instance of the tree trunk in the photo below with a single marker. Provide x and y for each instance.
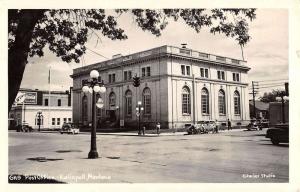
(18, 53)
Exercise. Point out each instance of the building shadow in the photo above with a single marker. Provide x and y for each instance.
(279, 145)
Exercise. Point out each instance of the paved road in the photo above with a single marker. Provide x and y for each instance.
(228, 157)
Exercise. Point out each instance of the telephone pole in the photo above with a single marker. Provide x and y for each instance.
(254, 92)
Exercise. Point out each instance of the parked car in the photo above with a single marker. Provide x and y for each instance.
(278, 134)
(69, 128)
(253, 125)
(263, 123)
(200, 127)
(24, 128)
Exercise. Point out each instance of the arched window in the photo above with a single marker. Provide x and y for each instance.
(128, 103)
(98, 110)
(112, 99)
(84, 108)
(205, 101)
(186, 100)
(147, 101)
(222, 106)
(237, 103)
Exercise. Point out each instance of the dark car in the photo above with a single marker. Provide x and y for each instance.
(24, 128)
(200, 127)
(69, 128)
(278, 134)
(263, 123)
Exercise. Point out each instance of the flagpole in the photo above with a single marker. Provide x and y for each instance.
(49, 101)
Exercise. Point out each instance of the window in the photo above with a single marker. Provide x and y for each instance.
(221, 75)
(53, 121)
(222, 106)
(125, 75)
(46, 102)
(236, 77)
(112, 78)
(143, 72)
(147, 101)
(112, 99)
(148, 71)
(182, 69)
(204, 72)
(65, 120)
(58, 121)
(237, 103)
(188, 71)
(128, 103)
(185, 70)
(59, 102)
(205, 101)
(186, 101)
(69, 120)
(84, 108)
(84, 82)
(109, 78)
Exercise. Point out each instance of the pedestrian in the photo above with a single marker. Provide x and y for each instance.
(229, 124)
(144, 129)
(217, 127)
(158, 128)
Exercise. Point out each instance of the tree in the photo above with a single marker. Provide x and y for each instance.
(271, 96)
(66, 31)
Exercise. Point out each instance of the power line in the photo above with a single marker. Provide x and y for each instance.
(97, 53)
(272, 86)
(273, 80)
(275, 83)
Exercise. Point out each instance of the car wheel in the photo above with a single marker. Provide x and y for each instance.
(275, 141)
(61, 132)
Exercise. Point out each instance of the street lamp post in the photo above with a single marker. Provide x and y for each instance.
(39, 118)
(282, 98)
(139, 110)
(94, 86)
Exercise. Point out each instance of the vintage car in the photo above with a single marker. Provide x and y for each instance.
(263, 123)
(24, 128)
(278, 134)
(69, 128)
(253, 125)
(200, 127)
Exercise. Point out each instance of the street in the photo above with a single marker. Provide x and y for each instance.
(227, 157)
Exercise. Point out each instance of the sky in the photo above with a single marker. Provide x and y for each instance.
(266, 53)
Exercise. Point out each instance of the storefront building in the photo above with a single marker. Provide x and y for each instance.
(55, 109)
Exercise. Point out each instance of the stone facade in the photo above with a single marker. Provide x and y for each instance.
(174, 82)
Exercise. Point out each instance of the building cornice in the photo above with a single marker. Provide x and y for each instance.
(159, 53)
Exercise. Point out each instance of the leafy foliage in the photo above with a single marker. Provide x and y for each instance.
(271, 96)
(66, 31)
